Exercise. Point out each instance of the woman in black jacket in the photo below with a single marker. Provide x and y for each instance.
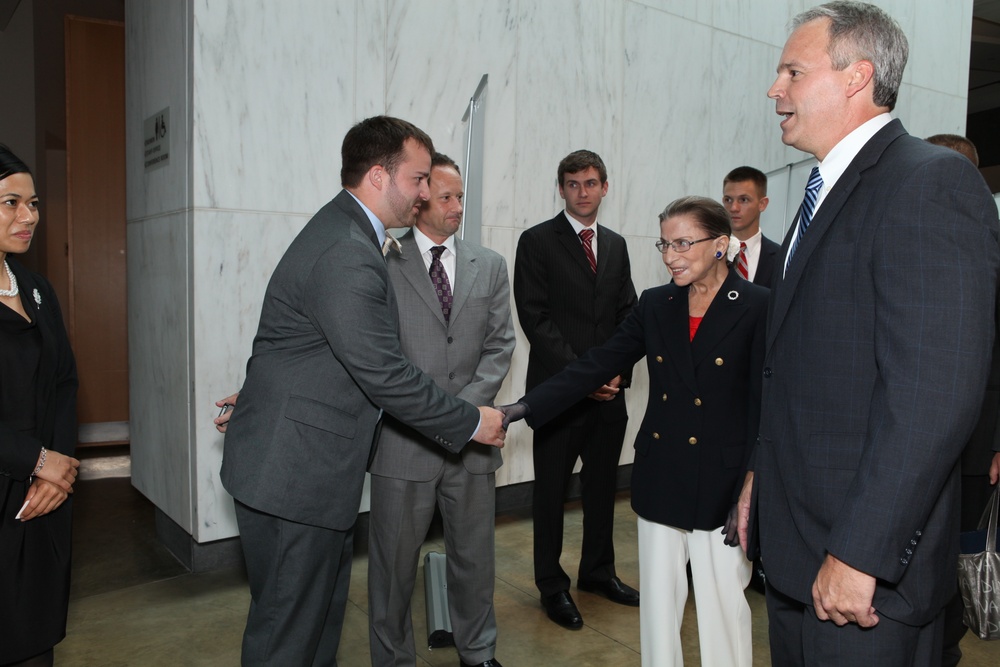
(703, 339)
(37, 438)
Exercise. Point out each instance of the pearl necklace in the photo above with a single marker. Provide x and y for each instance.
(13, 291)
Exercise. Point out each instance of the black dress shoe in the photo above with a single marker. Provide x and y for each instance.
(561, 609)
(492, 662)
(613, 589)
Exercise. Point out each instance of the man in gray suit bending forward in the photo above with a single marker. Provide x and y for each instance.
(326, 363)
(455, 326)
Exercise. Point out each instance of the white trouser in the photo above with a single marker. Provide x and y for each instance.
(719, 572)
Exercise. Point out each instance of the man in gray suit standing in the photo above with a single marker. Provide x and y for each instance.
(326, 363)
(455, 324)
(878, 344)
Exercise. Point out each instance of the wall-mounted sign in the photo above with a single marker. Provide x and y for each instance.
(156, 140)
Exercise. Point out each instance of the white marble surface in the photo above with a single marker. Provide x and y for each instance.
(160, 363)
(670, 92)
(232, 258)
(273, 88)
(157, 48)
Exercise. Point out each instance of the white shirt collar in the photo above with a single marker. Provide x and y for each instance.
(837, 160)
(424, 244)
(579, 226)
(376, 223)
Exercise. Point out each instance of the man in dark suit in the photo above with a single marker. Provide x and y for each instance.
(978, 455)
(878, 331)
(326, 363)
(457, 328)
(572, 287)
(744, 194)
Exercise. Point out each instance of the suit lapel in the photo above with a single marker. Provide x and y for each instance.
(466, 272)
(674, 323)
(412, 267)
(784, 288)
(726, 310)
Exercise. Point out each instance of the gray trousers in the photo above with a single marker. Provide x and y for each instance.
(299, 578)
(401, 512)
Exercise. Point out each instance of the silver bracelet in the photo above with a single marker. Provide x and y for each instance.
(41, 462)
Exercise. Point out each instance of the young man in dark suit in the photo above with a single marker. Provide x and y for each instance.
(326, 363)
(880, 325)
(744, 194)
(467, 352)
(572, 287)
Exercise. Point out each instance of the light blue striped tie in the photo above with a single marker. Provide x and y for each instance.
(813, 187)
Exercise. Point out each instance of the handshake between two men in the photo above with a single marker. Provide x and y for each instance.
(492, 429)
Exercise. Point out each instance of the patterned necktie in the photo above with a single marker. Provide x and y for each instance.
(813, 187)
(440, 281)
(587, 236)
(741, 262)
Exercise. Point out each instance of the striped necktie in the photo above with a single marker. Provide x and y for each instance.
(813, 187)
(587, 237)
(741, 262)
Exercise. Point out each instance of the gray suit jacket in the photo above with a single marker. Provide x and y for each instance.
(326, 361)
(877, 353)
(468, 357)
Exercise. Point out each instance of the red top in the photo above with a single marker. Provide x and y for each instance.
(693, 323)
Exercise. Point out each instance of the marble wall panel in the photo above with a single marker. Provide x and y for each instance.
(233, 254)
(931, 112)
(939, 46)
(744, 126)
(666, 114)
(369, 64)
(437, 52)
(569, 90)
(760, 21)
(693, 10)
(157, 53)
(273, 86)
(160, 363)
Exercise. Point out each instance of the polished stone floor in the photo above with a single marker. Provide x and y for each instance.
(133, 604)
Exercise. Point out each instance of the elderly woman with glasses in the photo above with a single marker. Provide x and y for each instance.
(703, 339)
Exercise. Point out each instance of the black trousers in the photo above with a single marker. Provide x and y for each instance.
(798, 638)
(299, 578)
(598, 444)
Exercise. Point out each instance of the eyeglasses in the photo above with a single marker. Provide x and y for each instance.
(679, 246)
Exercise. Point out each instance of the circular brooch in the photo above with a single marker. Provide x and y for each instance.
(733, 295)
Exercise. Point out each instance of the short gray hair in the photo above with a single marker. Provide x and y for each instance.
(860, 31)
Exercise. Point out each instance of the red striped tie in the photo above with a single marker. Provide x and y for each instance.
(587, 236)
(741, 262)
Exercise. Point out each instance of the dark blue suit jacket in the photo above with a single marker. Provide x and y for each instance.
(703, 407)
(878, 348)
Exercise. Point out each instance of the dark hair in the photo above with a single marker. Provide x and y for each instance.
(862, 31)
(442, 160)
(956, 142)
(377, 140)
(712, 216)
(741, 174)
(580, 160)
(11, 164)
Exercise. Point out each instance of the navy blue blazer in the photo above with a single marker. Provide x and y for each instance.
(703, 407)
(878, 346)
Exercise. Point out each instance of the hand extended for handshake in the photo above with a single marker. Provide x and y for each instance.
(52, 485)
(492, 422)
